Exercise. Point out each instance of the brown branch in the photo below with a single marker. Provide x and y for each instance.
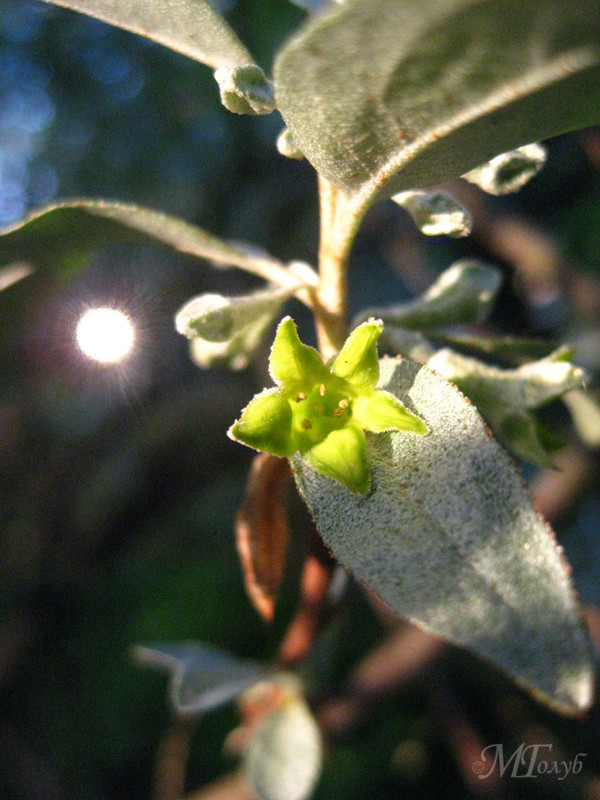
(171, 761)
(314, 606)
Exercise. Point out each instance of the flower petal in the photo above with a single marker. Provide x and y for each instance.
(342, 456)
(266, 424)
(381, 411)
(358, 362)
(293, 361)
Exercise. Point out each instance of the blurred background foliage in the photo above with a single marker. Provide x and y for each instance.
(118, 485)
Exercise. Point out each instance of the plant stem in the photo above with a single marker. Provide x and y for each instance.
(331, 297)
(171, 761)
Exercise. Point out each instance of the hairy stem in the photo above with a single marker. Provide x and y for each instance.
(331, 298)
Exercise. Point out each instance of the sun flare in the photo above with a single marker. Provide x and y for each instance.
(105, 335)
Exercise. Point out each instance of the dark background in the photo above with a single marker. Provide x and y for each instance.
(118, 485)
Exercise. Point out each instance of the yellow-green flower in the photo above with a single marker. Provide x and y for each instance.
(322, 410)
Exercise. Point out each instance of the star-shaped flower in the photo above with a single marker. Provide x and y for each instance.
(322, 410)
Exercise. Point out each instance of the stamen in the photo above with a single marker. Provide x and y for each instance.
(300, 396)
(306, 424)
(322, 389)
(343, 403)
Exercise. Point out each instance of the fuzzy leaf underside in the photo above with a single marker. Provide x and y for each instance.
(191, 27)
(507, 397)
(217, 318)
(391, 95)
(463, 294)
(195, 29)
(449, 539)
(13, 273)
(202, 676)
(176, 233)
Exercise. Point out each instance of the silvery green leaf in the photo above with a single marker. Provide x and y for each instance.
(196, 29)
(191, 27)
(284, 756)
(13, 273)
(524, 436)
(507, 349)
(435, 213)
(203, 677)
(287, 146)
(383, 96)
(406, 343)
(227, 330)
(177, 233)
(245, 89)
(526, 387)
(448, 538)
(217, 318)
(463, 293)
(585, 412)
(312, 5)
(508, 172)
(507, 397)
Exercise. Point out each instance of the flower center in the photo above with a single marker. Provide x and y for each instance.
(326, 408)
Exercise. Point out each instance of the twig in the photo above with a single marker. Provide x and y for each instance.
(171, 761)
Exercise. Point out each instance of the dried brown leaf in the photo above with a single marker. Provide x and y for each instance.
(262, 531)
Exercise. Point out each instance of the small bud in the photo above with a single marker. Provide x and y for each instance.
(245, 90)
(436, 213)
(288, 147)
(510, 171)
(217, 318)
(283, 751)
(209, 316)
(234, 353)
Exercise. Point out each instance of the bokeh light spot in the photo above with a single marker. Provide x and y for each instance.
(105, 335)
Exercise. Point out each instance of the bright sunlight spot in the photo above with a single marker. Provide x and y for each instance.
(105, 334)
